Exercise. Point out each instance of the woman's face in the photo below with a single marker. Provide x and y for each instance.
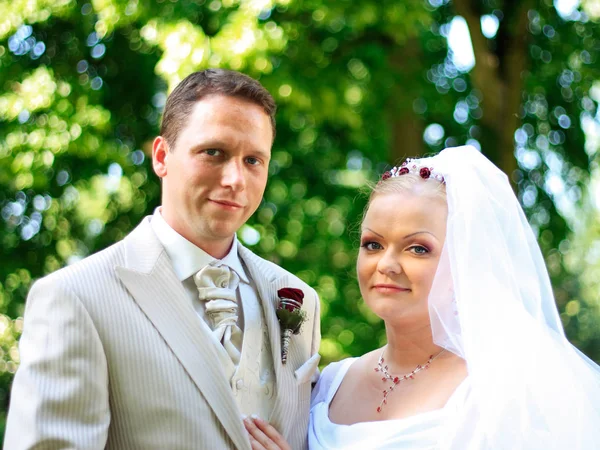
(401, 242)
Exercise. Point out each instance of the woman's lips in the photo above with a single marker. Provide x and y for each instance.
(389, 288)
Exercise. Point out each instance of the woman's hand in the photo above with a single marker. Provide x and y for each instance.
(263, 436)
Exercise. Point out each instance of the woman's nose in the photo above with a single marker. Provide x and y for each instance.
(389, 264)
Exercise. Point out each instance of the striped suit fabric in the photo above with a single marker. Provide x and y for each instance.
(114, 356)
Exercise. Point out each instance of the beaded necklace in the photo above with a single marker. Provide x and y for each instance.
(396, 380)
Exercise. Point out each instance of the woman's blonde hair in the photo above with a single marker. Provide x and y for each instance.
(411, 183)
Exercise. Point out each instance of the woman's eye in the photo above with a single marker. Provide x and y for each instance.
(419, 249)
(370, 245)
(213, 152)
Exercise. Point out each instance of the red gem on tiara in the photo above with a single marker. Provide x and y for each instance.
(412, 166)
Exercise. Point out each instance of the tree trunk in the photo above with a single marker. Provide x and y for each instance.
(499, 75)
(406, 125)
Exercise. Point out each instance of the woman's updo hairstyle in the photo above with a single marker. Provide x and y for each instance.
(412, 182)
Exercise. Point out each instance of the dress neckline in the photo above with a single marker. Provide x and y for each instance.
(431, 415)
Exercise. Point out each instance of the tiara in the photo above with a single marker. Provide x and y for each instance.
(410, 166)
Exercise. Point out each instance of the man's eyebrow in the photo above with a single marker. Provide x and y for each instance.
(219, 144)
(261, 153)
(214, 143)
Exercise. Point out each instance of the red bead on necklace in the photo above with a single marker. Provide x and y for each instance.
(396, 380)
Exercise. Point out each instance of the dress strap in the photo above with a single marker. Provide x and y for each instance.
(338, 378)
(330, 381)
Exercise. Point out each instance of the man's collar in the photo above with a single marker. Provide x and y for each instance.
(187, 258)
(232, 259)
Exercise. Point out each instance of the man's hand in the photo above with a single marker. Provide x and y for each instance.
(263, 436)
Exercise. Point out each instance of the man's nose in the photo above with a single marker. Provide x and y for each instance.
(233, 175)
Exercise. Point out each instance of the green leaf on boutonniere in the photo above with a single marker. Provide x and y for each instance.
(291, 320)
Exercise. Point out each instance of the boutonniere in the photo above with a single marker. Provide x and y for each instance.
(290, 315)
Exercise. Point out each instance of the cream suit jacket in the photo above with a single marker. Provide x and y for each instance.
(114, 356)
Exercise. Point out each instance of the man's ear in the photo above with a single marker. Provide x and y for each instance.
(160, 154)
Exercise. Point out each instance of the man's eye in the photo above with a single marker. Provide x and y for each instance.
(252, 161)
(213, 152)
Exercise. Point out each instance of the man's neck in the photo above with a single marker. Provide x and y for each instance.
(218, 250)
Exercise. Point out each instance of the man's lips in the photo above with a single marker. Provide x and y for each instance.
(227, 203)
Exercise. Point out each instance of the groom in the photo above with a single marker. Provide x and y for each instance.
(165, 339)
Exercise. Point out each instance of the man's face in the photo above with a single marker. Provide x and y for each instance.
(214, 177)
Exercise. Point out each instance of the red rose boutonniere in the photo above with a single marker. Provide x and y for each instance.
(290, 315)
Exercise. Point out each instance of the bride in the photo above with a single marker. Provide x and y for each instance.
(476, 356)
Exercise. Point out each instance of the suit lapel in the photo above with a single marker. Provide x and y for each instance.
(150, 279)
(268, 282)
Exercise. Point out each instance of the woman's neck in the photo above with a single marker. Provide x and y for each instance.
(406, 350)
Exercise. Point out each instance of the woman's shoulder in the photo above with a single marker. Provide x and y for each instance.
(332, 368)
(335, 368)
(332, 377)
(329, 375)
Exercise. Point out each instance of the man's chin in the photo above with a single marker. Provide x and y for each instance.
(222, 232)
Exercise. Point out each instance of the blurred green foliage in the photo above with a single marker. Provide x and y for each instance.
(359, 83)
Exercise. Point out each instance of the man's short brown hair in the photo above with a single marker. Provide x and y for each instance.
(211, 82)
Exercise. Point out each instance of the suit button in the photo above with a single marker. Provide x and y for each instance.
(239, 384)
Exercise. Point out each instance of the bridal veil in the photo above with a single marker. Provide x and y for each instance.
(492, 303)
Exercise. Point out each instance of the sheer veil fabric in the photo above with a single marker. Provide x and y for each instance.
(491, 303)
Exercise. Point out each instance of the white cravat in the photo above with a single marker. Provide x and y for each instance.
(217, 287)
(252, 379)
(188, 259)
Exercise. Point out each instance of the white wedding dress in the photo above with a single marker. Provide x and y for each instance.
(491, 303)
(420, 432)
